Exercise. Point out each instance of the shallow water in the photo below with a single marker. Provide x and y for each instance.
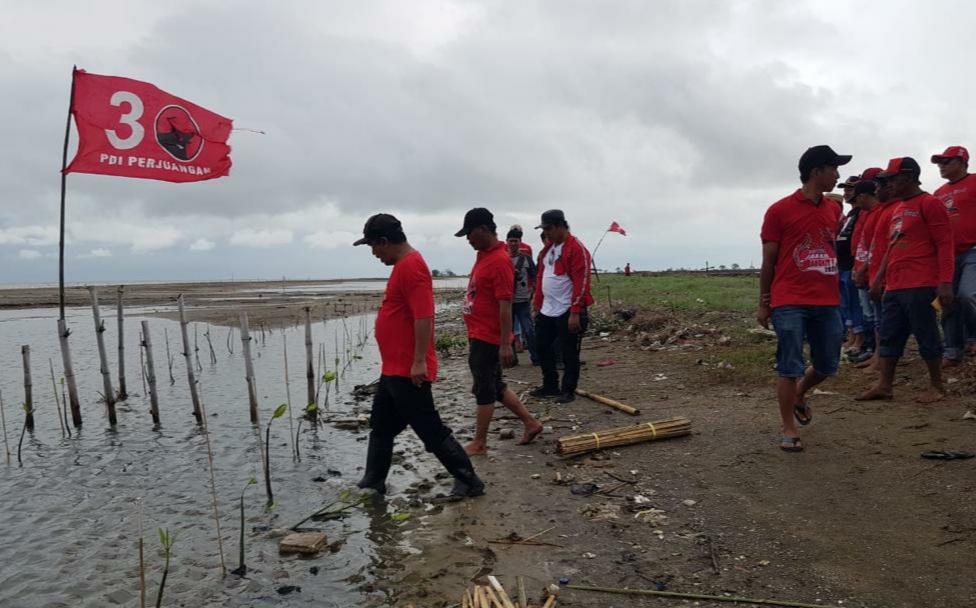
(70, 515)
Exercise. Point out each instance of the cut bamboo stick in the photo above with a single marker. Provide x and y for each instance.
(103, 357)
(309, 358)
(123, 394)
(69, 372)
(150, 373)
(28, 388)
(623, 407)
(550, 603)
(252, 389)
(502, 595)
(648, 431)
(188, 357)
(3, 419)
(522, 596)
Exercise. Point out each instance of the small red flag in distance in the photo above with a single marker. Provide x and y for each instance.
(130, 128)
(615, 227)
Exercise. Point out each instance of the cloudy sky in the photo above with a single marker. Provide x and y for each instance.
(681, 120)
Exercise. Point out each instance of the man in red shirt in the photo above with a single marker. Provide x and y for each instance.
(562, 295)
(798, 287)
(959, 196)
(916, 269)
(487, 310)
(405, 336)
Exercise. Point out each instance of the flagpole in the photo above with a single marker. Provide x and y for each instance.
(63, 331)
(64, 180)
(593, 255)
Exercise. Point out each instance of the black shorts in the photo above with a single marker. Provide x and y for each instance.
(486, 372)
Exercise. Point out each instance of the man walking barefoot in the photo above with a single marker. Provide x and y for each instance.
(798, 287)
(916, 270)
(405, 336)
(487, 310)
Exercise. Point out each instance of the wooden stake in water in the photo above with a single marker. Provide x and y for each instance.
(69, 372)
(123, 394)
(3, 419)
(309, 363)
(109, 392)
(252, 389)
(169, 357)
(142, 562)
(28, 388)
(291, 417)
(57, 401)
(187, 355)
(150, 373)
(142, 363)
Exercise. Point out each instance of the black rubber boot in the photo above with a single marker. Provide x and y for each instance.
(466, 481)
(379, 457)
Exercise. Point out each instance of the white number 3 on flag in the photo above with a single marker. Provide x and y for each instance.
(130, 118)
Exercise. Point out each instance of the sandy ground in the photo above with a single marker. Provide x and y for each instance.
(858, 519)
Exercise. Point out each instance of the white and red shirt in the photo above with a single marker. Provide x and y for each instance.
(806, 266)
(563, 282)
(959, 198)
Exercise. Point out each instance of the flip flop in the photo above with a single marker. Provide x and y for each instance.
(947, 455)
(790, 444)
(803, 413)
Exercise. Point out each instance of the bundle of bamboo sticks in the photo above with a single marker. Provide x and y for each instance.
(494, 595)
(627, 435)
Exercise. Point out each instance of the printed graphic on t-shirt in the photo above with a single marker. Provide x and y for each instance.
(469, 295)
(949, 200)
(898, 223)
(816, 253)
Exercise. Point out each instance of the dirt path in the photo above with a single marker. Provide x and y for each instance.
(858, 519)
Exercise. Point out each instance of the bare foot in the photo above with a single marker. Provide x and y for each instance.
(932, 395)
(948, 363)
(874, 394)
(872, 367)
(476, 448)
(531, 432)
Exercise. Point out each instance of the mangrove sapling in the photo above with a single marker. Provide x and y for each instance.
(142, 560)
(278, 413)
(328, 512)
(3, 418)
(310, 412)
(213, 486)
(242, 569)
(213, 355)
(291, 418)
(329, 378)
(167, 540)
(29, 414)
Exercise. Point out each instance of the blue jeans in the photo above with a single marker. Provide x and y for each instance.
(850, 305)
(522, 314)
(822, 328)
(909, 312)
(868, 322)
(962, 313)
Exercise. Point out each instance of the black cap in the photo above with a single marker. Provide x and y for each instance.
(514, 233)
(849, 182)
(866, 186)
(904, 164)
(822, 156)
(553, 216)
(479, 216)
(379, 226)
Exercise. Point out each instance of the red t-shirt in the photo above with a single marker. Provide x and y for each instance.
(492, 279)
(959, 198)
(879, 241)
(409, 296)
(921, 244)
(525, 248)
(806, 268)
(859, 245)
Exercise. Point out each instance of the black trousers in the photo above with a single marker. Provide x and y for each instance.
(398, 404)
(547, 331)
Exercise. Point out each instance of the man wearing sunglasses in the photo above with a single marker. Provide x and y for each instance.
(959, 196)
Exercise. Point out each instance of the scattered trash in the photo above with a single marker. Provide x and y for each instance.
(536, 476)
(689, 502)
(563, 580)
(640, 499)
(969, 415)
(314, 570)
(763, 332)
(287, 589)
(303, 542)
(589, 555)
(585, 489)
(764, 562)
(947, 455)
(659, 377)
(952, 380)
(724, 341)
(660, 585)
(600, 512)
(606, 363)
(506, 434)
(817, 391)
(652, 516)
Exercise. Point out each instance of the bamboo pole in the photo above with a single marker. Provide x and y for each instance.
(28, 388)
(150, 373)
(196, 350)
(252, 389)
(291, 417)
(187, 355)
(522, 596)
(608, 438)
(123, 393)
(69, 372)
(57, 401)
(550, 603)
(142, 363)
(103, 357)
(309, 361)
(169, 357)
(633, 411)
(3, 419)
(696, 596)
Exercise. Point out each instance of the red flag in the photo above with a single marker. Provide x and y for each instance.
(615, 227)
(133, 129)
